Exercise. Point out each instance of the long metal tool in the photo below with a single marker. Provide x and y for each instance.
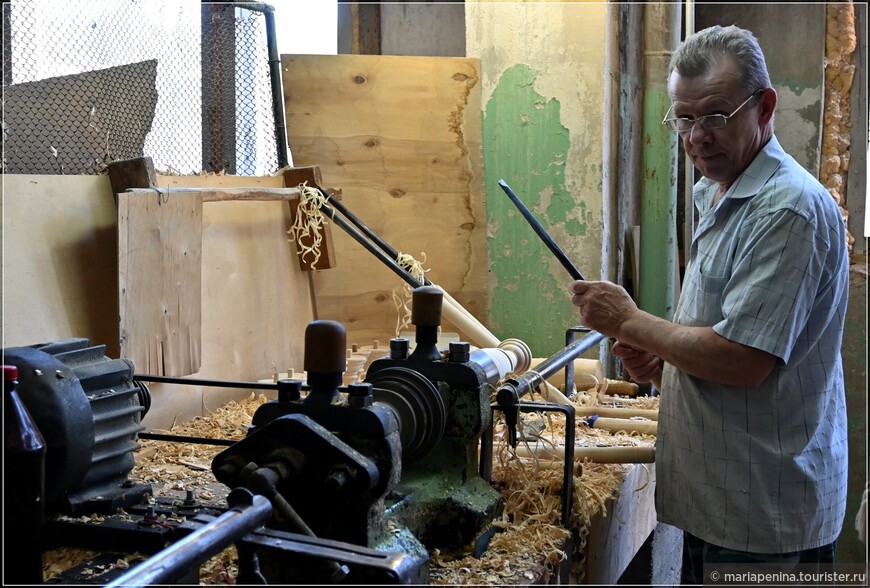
(557, 251)
(364, 228)
(372, 245)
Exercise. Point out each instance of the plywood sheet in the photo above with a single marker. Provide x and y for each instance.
(59, 268)
(159, 279)
(400, 137)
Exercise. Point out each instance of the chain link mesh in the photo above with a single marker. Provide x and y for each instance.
(86, 83)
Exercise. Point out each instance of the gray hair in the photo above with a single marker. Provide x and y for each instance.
(702, 50)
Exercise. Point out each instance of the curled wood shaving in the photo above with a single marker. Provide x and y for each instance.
(307, 229)
(403, 293)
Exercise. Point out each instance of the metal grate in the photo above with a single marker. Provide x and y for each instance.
(86, 83)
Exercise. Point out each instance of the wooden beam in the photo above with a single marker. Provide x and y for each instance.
(366, 28)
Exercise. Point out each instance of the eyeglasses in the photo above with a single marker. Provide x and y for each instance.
(709, 121)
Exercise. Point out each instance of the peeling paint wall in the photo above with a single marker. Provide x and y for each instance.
(542, 70)
(795, 62)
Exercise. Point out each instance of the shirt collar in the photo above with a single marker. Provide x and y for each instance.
(747, 184)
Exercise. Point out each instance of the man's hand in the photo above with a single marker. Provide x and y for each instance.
(604, 306)
(642, 366)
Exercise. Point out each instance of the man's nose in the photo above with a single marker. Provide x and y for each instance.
(698, 134)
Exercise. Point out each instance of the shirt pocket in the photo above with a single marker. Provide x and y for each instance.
(702, 300)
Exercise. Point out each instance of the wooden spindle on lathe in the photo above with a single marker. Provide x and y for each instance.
(478, 335)
(617, 412)
(615, 454)
(644, 427)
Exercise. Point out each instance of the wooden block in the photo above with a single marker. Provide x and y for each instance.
(298, 175)
(160, 280)
(132, 173)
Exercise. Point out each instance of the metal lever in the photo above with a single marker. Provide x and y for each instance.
(509, 394)
(557, 251)
(247, 512)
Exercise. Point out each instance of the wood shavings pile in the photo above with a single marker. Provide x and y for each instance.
(533, 501)
(187, 466)
(182, 466)
(514, 557)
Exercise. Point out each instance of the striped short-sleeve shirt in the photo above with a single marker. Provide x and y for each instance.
(761, 469)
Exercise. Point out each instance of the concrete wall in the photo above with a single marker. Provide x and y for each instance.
(435, 29)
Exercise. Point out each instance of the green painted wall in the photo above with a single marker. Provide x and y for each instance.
(542, 72)
(525, 144)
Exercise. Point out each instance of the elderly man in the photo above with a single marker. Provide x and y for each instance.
(751, 454)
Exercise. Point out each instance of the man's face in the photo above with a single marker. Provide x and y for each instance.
(720, 154)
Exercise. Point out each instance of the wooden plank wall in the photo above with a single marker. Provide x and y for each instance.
(400, 137)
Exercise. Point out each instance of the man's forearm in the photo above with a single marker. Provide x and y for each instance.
(698, 351)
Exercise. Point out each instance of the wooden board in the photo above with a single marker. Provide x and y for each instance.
(60, 279)
(59, 269)
(614, 539)
(159, 280)
(400, 137)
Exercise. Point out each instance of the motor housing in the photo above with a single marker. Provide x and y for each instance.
(89, 411)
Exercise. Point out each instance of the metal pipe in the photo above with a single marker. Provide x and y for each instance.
(274, 76)
(509, 394)
(526, 382)
(248, 512)
(277, 90)
(457, 313)
(548, 241)
(610, 170)
(364, 228)
(376, 251)
(658, 236)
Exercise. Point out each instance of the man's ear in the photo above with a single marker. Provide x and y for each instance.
(768, 105)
